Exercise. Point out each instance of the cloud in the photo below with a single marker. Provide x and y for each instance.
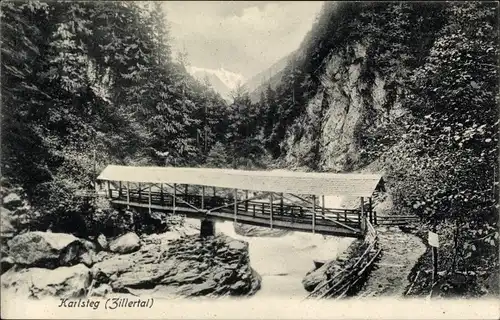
(244, 36)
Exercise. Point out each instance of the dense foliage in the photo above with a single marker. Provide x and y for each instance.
(86, 84)
(441, 157)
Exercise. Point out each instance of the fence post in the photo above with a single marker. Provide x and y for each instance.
(235, 204)
(271, 216)
(314, 214)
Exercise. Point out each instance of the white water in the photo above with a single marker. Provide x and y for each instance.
(283, 261)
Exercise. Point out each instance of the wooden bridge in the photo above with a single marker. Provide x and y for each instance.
(275, 199)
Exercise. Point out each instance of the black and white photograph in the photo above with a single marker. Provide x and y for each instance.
(249, 160)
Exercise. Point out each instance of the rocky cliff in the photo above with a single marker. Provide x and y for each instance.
(349, 103)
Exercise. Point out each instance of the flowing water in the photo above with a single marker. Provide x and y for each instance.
(283, 261)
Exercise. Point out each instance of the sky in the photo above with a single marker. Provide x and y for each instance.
(245, 37)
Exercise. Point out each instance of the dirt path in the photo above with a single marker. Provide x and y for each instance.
(400, 252)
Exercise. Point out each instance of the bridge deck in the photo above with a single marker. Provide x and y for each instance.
(327, 221)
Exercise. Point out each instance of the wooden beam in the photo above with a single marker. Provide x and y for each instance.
(362, 222)
(214, 191)
(202, 197)
(140, 192)
(119, 189)
(162, 199)
(281, 203)
(370, 209)
(128, 195)
(246, 198)
(314, 214)
(174, 197)
(149, 198)
(110, 195)
(271, 216)
(241, 201)
(235, 204)
(323, 205)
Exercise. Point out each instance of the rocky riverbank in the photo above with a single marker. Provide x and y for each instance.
(169, 265)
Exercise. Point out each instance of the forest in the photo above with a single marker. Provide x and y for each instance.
(87, 84)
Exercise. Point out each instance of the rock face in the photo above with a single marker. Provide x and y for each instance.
(127, 243)
(189, 266)
(46, 249)
(349, 104)
(64, 282)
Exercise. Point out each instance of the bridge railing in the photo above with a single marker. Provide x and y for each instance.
(349, 218)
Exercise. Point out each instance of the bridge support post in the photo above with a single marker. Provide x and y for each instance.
(149, 198)
(110, 195)
(271, 216)
(174, 197)
(128, 195)
(314, 214)
(235, 191)
(363, 221)
(207, 228)
(203, 197)
(323, 206)
(140, 192)
(119, 189)
(370, 209)
(246, 200)
(281, 203)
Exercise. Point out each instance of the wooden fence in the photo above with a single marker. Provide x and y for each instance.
(344, 281)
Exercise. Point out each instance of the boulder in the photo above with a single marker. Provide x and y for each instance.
(103, 242)
(315, 277)
(12, 201)
(63, 282)
(46, 249)
(127, 243)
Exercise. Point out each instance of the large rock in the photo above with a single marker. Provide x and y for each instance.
(63, 282)
(46, 249)
(12, 201)
(103, 242)
(315, 277)
(189, 266)
(127, 243)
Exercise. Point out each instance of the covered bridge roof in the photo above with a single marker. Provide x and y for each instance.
(350, 184)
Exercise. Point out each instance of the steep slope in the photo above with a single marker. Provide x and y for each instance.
(271, 75)
(410, 90)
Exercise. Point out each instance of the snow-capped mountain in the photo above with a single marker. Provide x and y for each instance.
(222, 80)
